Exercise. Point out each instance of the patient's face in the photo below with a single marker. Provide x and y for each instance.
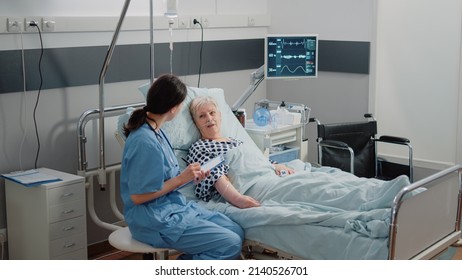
(208, 121)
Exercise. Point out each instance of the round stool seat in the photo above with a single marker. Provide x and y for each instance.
(122, 240)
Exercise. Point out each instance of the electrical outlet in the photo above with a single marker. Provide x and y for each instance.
(48, 24)
(14, 25)
(3, 235)
(194, 22)
(183, 22)
(29, 20)
(251, 21)
(205, 22)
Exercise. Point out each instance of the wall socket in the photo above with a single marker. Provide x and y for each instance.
(15, 25)
(27, 22)
(3, 235)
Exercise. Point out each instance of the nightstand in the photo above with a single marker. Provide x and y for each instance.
(47, 221)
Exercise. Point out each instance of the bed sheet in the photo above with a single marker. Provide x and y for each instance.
(316, 213)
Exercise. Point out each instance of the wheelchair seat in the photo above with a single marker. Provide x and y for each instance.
(352, 147)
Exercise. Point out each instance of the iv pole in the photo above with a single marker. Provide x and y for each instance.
(107, 60)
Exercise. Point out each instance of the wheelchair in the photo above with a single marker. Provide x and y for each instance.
(352, 147)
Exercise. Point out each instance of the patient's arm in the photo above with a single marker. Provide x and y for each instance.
(229, 192)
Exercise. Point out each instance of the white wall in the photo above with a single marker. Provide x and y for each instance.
(348, 20)
(417, 77)
(16, 107)
(59, 109)
(333, 97)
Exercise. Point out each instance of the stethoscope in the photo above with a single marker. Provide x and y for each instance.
(161, 139)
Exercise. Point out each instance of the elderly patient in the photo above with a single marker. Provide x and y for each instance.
(207, 117)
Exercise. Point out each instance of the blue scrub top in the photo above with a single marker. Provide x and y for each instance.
(147, 162)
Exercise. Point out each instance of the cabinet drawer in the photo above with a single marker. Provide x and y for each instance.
(67, 228)
(288, 154)
(67, 244)
(66, 211)
(283, 137)
(66, 193)
(76, 255)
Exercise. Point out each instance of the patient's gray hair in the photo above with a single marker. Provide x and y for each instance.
(200, 101)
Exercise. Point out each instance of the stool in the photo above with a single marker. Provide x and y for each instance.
(122, 239)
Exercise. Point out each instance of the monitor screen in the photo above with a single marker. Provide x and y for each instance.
(291, 56)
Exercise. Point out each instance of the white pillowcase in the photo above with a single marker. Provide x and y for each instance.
(182, 131)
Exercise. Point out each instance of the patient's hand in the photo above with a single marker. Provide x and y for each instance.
(245, 201)
(229, 192)
(278, 169)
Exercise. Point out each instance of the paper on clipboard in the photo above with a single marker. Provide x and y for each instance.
(212, 163)
(31, 178)
(208, 165)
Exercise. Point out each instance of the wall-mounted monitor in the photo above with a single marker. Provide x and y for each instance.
(291, 56)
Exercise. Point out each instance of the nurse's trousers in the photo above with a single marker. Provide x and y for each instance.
(212, 236)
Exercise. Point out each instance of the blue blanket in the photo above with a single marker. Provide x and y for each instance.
(315, 203)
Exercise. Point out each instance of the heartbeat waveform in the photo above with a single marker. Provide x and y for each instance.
(305, 43)
(296, 43)
(288, 56)
(295, 70)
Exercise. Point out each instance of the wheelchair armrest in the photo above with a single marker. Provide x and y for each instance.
(337, 145)
(394, 140)
(334, 144)
(310, 120)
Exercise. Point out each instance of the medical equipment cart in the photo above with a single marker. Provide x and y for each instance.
(47, 221)
(282, 143)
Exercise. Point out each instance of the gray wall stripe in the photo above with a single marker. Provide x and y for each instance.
(78, 66)
(344, 56)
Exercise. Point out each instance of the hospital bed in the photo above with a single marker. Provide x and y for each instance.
(406, 221)
(418, 220)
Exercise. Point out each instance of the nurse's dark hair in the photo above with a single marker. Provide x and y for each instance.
(166, 92)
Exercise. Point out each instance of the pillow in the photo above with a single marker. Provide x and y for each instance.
(121, 121)
(182, 131)
(144, 89)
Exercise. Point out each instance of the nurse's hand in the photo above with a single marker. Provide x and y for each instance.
(195, 173)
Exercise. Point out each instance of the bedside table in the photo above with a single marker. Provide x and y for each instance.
(47, 221)
(267, 137)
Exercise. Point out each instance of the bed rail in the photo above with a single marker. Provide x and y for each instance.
(90, 178)
(92, 175)
(438, 225)
(91, 115)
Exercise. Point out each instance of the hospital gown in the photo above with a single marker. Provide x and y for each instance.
(204, 150)
(169, 221)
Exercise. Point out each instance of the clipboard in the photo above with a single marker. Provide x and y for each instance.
(31, 178)
(208, 165)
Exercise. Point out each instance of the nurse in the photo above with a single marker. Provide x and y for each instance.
(155, 211)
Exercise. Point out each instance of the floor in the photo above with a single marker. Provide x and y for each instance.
(104, 251)
(109, 253)
(117, 255)
(458, 255)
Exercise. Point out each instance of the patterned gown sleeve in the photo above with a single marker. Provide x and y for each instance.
(202, 151)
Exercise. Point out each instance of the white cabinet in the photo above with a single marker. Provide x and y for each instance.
(289, 136)
(47, 221)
